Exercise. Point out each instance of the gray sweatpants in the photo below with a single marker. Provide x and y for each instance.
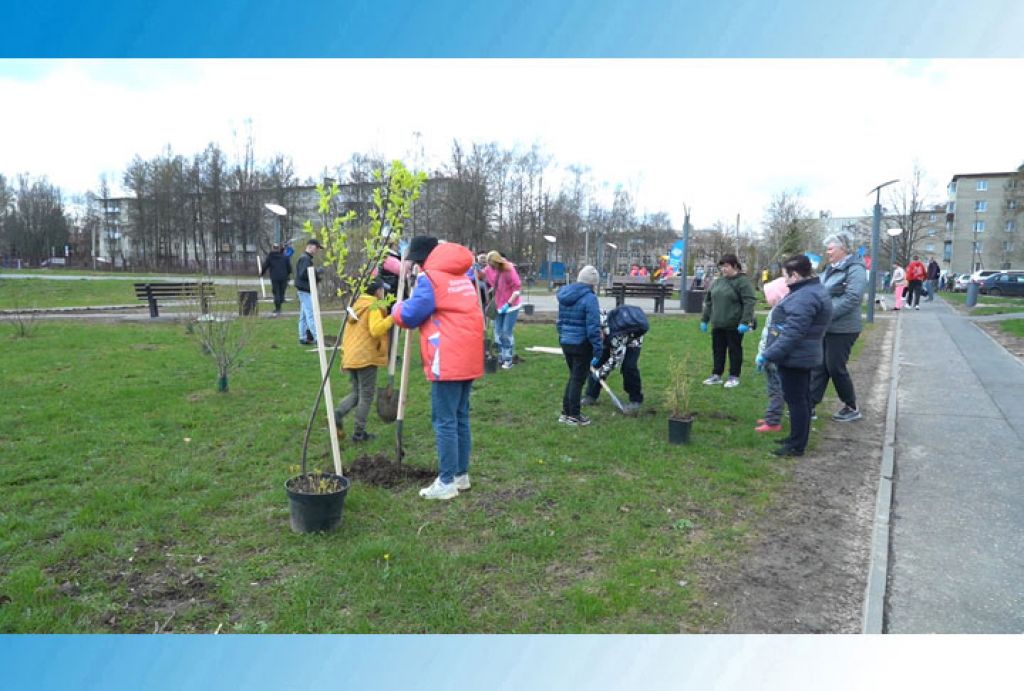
(364, 385)
(773, 387)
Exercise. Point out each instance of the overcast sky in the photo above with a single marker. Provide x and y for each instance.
(722, 136)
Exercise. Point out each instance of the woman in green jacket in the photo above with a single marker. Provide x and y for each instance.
(729, 308)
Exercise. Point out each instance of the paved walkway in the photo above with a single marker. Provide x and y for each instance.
(957, 524)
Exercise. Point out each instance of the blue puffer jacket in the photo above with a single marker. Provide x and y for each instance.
(798, 326)
(579, 317)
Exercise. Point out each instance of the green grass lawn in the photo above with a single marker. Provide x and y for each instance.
(986, 303)
(1014, 327)
(137, 498)
(18, 293)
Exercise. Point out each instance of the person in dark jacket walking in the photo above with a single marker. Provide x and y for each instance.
(798, 326)
(933, 278)
(844, 280)
(579, 334)
(307, 323)
(729, 307)
(280, 269)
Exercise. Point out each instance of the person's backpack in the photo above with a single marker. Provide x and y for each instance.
(627, 319)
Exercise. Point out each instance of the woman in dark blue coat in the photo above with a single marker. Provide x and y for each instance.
(794, 341)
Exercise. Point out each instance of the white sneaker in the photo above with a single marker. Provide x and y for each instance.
(462, 482)
(439, 490)
(713, 379)
(732, 382)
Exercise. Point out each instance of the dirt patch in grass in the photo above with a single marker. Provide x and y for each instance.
(805, 570)
(1014, 344)
(382, 471)
(496, 501)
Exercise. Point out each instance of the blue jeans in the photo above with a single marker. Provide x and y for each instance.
(503, 325)
(306, 321)
(449, 411)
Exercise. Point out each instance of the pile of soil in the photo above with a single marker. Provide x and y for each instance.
(382, 471)
(806, 568)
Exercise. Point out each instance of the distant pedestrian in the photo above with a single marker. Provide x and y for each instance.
(933, 278)
(798, 327)
(899, 285)
(774, 291)
(280, 269)
(729, 309)
(364, 348)
(698, 278)
(307, 322)
(916, 274)
(844, 281)
(579, 334)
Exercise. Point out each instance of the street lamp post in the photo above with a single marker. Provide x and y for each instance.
(611, 269)
(685, 288)
(551, 274)
(279, 213)
(876, 221)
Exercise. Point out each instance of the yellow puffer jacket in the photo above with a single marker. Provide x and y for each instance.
(366, 340)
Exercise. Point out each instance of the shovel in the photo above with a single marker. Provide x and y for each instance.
(604, 385)
(387, 397)
(403, 394)
(490, 361)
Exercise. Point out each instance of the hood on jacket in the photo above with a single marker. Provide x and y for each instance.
(451, 258)
(573, 293)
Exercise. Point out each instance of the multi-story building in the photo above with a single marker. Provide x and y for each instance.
(984, 215)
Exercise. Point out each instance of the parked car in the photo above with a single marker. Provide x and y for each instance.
(960, 283)
(981, 274)
(1010, 283)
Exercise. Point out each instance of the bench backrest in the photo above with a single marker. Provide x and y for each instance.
(173, 290)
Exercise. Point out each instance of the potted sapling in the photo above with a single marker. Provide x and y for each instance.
(677, 399)
(316, 497)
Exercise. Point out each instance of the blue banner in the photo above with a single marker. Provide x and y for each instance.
(675, 255)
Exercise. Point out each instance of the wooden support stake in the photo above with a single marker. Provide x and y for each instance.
(328, 399)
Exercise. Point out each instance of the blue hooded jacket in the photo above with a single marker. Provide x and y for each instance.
(798, 326)
(579, 316)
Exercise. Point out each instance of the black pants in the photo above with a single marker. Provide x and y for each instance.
(278, 286)
(913, 293)
(630, 375)
(578, 358)
(836, 351)
(722, 340)
(796, 390)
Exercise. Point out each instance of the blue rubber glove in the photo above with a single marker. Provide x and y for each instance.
(595, 362)
(503, 309)
(704, 327)
(743, 328)
(759, 361)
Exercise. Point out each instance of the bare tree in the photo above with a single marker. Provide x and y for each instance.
(906, 208)
(785, 227)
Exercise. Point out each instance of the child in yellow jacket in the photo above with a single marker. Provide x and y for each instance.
(364, 348)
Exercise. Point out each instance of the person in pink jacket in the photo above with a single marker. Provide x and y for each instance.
(507, 288)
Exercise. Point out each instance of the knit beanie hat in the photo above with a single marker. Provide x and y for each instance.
(589, 275)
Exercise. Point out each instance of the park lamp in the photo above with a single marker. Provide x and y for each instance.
(876, 220)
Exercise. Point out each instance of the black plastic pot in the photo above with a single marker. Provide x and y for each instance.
(315, 513)
(528, 309)
(490, 364)
(679, 431)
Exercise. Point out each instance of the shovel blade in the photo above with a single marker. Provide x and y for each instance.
(387, 404)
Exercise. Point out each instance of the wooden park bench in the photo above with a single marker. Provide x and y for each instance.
(658, 291)
(191, 290)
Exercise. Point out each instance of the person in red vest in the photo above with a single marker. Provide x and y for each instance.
(445, 307)
(916, 273)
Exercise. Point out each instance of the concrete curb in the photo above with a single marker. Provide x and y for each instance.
(878, 569)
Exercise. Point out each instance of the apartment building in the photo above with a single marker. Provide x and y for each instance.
(984, 215)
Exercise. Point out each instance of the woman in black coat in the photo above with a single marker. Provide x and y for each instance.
(794, 345)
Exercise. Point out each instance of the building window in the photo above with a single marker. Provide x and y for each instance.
(952, 188)
(1011, 204)
(981, 205)
(1011, 226)
(931, 218)
(982, 185)
(1007, 246)
(930, 247)
(947, 250)
(976, 246)
(979, 226)
(932, 231)
(950, 207)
